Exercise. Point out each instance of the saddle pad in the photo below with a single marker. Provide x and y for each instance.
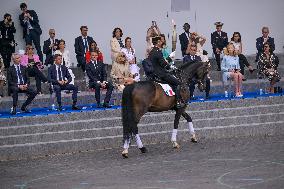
(168, 90)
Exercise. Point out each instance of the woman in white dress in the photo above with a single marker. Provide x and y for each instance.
(231, 68)
(66, 61)
(116, 43)
(236, 40)
(129, 52)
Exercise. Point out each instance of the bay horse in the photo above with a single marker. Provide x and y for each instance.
(148, 96)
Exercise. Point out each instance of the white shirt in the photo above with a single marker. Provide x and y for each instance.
(83, 38)
(237, 45)
(18, 67)
(129, 53)
(57, 73)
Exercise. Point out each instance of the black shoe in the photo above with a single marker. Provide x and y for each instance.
(180, 105)
(193, 98)
(59, 108)
(244, 79)
(219, 69)
(25, 110)
(99, 105)
(251, 71)
(74, 107)
(13, 111)
(106, 105)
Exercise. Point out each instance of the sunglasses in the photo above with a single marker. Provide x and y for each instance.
(31, 48)
(52, 33)
(266, 46)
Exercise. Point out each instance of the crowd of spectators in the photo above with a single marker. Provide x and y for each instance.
(228, 55)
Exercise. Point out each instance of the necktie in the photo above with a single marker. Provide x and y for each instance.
(86, 44)
(52, 50)
(19, 74)
(219, 34)
(59, 73)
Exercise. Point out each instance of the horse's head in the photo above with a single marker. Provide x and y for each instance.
(201, 74)
(197, 71)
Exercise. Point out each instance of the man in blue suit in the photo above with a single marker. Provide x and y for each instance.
(261, 40)
(81, 45)
(31, 28)
(60, 79)
(219, 40)
(183, 38)
(98, 79)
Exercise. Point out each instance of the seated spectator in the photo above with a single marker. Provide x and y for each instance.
(2, 77)
(129, 51)
(116, 43)
(98, 79)
(199, 41)
(192, 58)
(18, 82)
(267, 64)
(236, 40)
(34, 66)
(66, 61)
(60, 78)
(261, 40)
(49, 47)
(231, 68)
(120, 72)
(94, 48)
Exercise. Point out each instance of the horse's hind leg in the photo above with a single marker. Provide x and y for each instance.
(174, 132)
(140, 144)
(190, 127)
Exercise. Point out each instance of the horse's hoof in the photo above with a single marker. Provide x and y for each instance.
(143, 150)
(193, 139)
(176, 145)
(125, 153)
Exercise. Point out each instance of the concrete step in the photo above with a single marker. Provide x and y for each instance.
(147, 125)
(101, 123)
(31, 150)
(110, 113)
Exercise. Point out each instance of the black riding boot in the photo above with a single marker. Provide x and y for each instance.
(179, 101)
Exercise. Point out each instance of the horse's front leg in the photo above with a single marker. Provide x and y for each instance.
(190, 127)
(174, 132)
(125, 148)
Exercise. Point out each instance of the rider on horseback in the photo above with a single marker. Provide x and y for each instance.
(161, 66)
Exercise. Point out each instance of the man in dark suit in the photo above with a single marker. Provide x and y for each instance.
(60, 78)
(219, 40)
(7, 41)
(31, 28)
(160, 65)
(98, 79)
(193, 58)
(18, 82)
(81, 45)
(183, 38)
(50, 46)
(261, 40)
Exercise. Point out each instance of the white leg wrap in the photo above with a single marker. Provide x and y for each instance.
(138, 141)
(174, 135)
(190, 128)
(126, 144)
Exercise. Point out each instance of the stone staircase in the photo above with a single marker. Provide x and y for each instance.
(34, 136)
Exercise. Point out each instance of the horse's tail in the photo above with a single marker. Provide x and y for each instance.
(128, 115)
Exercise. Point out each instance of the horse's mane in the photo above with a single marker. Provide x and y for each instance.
(193, 66)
